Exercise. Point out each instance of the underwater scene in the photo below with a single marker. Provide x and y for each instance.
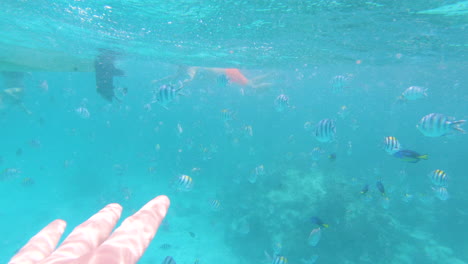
(294, 132)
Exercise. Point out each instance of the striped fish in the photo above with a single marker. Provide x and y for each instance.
(215, 205)
(314, 236)
(227, 115)
(441, 193)
(184, 183)
(413, 93)
(168, 260)
(391, 145)
(165, 246)
(280, 260)
(325, 130)
(339, 83)
(436, 125)
(281, 103)
(439, 178)
(166, 94)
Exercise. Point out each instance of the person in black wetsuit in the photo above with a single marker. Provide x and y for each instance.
(105, 73)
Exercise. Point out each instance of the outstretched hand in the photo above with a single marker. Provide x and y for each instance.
(93, 241)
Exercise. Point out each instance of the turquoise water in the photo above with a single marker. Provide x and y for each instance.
(68, 165)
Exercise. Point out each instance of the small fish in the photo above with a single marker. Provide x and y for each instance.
(180, 130)
(248, 131)
(27, 181)
(255, 173)
(280, 260)
(391, 145)
(215, 205)
(325, 130)
(35, 143)
(314, 236)
(165, 246)
(227, 115)
(10, 173)
(184, 183)
(343, 112)
(439, 178)
(19, 152)
(168, 260)
(82, 112)
(281, 103)
(410, 156)
(407, 197)
(380, 187)
(260, 170)
(166, 94)
(277, 247)
(441, 193)
(413, 93)
(349, 149)
(339, 83)
(319, 222)
(316, 153)
(197, 261)
(365, 189)
(437, 125)
(308, 126)
(192, 234)
(332, 157)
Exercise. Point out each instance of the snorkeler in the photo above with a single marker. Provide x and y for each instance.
(105, 72)
(186, 74)
(13, 72)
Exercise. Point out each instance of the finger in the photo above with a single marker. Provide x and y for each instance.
(41, 245)
(88, 236)
(128, 242)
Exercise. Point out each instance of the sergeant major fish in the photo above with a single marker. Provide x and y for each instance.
(325, 130)
(439, 178)
(166, 94)
(413, 93)
(281, 103)
(436, 125)
(391, 145)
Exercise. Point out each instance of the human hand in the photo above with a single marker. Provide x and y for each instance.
(93, 241)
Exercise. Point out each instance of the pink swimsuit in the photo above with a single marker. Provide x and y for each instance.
(234, 75)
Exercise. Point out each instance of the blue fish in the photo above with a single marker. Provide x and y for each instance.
(365, 189)
(318, 222)
(381, 188)
(409, 155)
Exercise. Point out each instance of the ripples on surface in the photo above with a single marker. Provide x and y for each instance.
(248, 33)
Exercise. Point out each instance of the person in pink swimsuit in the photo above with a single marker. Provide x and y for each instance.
(234, 76)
